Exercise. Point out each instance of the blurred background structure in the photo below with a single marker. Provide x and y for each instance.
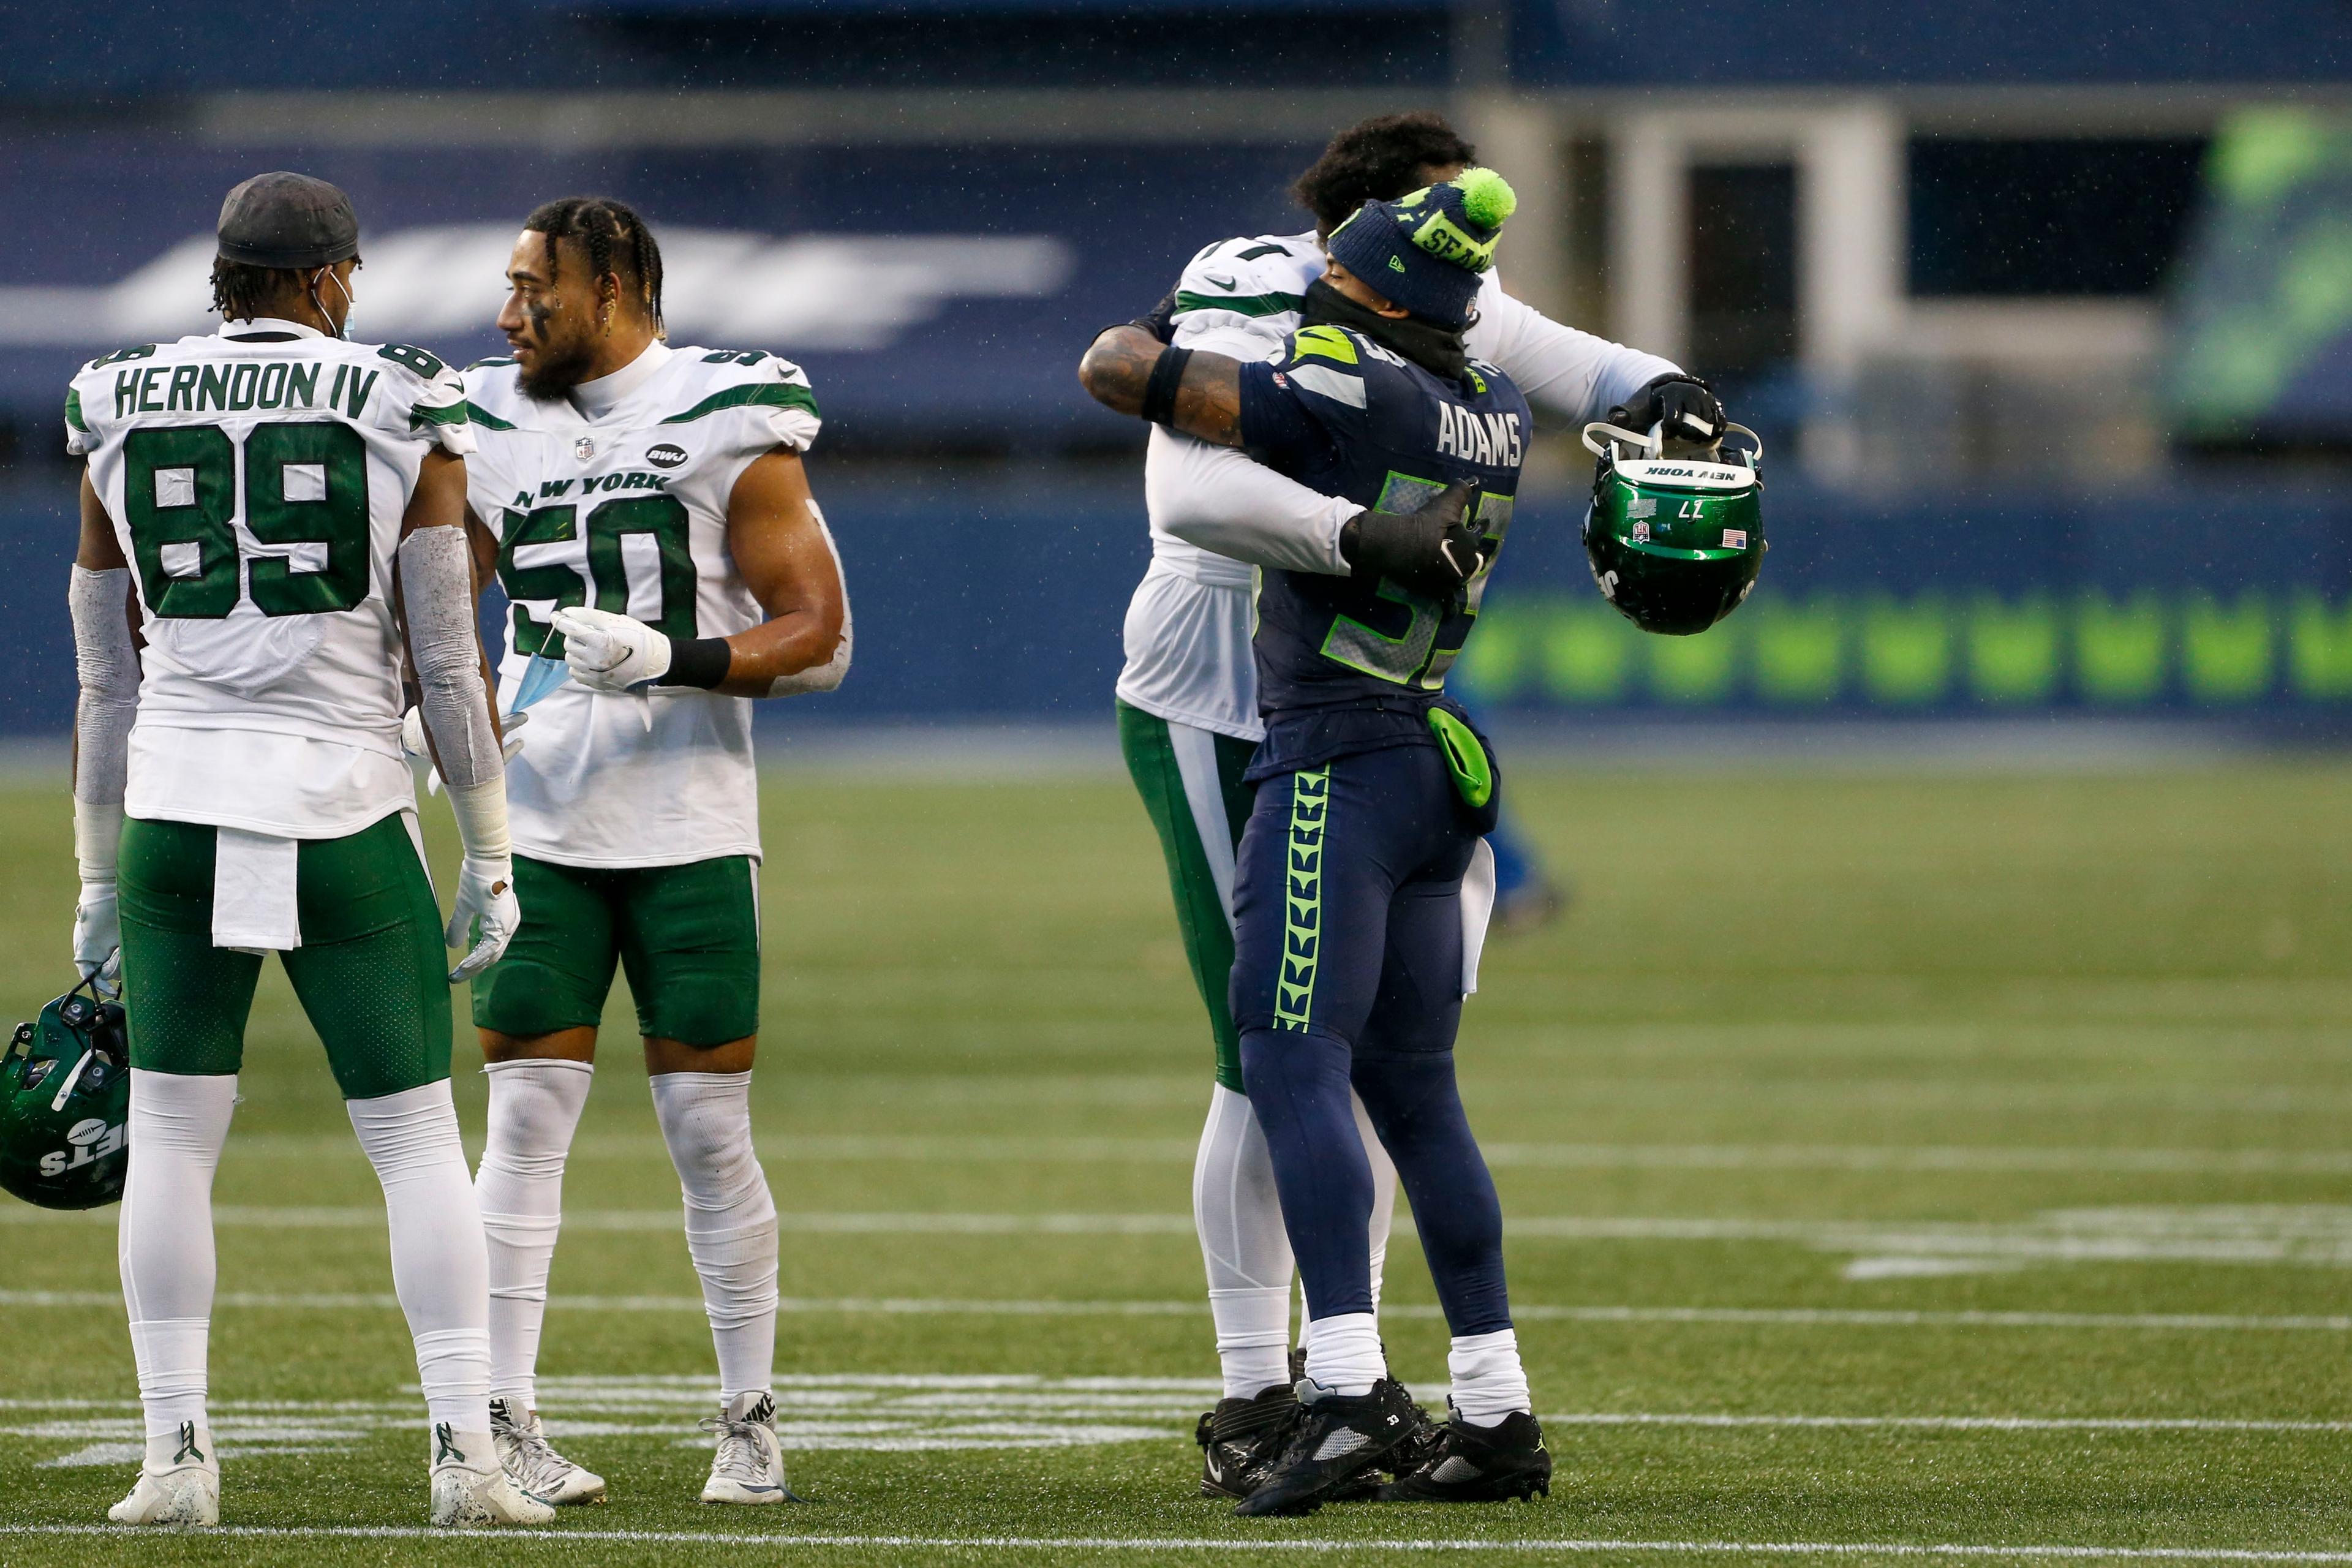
(2045, 313)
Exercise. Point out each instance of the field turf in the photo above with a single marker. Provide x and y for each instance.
(1900, 1168)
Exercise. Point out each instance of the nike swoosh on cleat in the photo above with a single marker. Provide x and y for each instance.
(1340, 1444)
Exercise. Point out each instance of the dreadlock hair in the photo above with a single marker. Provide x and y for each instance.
(1377, 160)
(613, 235)
(242, 291)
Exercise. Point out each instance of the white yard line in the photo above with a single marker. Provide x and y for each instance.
(929, 1306)
(980, 1148)
(1227, 1543)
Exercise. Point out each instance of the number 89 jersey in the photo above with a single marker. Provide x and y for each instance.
(624, 509)
(256, 479)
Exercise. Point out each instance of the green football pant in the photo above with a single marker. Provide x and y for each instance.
(369, 973)
(1191, 781)
(687, 936)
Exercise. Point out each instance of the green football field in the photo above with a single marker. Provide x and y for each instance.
(1899, 1167)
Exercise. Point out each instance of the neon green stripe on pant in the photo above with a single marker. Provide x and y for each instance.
(1191, 781)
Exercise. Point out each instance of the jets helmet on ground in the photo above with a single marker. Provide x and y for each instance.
(1674, 543)
(65, 1104)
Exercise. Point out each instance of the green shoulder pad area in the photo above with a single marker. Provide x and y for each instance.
(476, 415)
(426, 414)
(1240, 304)
(765, 394)
(1328, 342)
(491, 363)
(73, 410)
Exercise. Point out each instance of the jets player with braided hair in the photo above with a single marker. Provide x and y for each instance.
(1188, 702)
(279, 514)
(646, 510)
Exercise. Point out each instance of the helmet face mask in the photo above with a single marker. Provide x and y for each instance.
(1676, 543)
(65, 1104)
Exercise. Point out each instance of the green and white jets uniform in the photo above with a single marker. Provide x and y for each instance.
(257, 478)
(627, 512)
(635, 815)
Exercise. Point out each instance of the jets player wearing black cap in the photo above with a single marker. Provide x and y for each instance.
(260, 498)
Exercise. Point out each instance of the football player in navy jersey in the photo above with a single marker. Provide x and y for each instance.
(1373, 789)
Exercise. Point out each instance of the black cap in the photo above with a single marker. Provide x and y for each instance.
(288, 220)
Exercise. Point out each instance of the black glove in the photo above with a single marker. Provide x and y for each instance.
(1432, 552)
(1161, 319)
(1684, 403)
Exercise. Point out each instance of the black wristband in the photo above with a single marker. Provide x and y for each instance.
(697, 661)
(1159, 392)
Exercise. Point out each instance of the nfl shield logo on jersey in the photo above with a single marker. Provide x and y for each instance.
(585, 447)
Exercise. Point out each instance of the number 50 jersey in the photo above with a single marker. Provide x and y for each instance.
(256, 479)
(626, 511)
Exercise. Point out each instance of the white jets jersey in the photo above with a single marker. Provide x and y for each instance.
(256, 479)
(1189, 659)
(627, 511)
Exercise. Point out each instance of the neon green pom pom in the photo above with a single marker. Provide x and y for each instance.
(1488, 198)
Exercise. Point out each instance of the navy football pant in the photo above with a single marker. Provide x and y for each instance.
(1347, 969)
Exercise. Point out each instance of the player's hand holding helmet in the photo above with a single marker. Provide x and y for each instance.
(1676, 543)
(485, 914)
(608, 652)
(97, 932)
(1433, 552)
(1683, 407)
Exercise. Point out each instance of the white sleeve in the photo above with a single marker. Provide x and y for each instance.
(1219, 499)
(1572, 376)
(107, 665)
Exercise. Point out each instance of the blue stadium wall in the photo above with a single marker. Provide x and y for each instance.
(1002, 601)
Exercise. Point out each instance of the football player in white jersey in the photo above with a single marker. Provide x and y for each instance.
(1187, 697)
(272, 526)
(646, 510)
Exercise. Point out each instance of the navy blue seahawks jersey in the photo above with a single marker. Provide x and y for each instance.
(1344, 666)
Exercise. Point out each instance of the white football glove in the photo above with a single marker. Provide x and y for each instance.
(96, 930)
(606, 652)
(485, 893)
(412, 741)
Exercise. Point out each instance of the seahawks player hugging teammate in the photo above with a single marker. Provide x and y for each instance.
(1332, 881)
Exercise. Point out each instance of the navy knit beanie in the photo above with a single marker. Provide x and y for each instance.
(1428, 250)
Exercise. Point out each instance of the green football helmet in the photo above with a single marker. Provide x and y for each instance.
(65, 1104)
(1674, 543)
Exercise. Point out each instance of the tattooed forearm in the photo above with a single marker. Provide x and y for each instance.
(1118, 368)
(1118, 364)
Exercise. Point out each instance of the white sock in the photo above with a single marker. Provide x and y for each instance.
(1385, 1192)
(731, 1219)
(534, 1109)
(440, 1268)
(1247, 1253)
(1344, 1352)
(1488, 1381)
(164, 1239)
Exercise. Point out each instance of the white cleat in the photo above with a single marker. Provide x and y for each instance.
(179, 1483)
(749, 1465)
(470, 1491)
(534, 1465)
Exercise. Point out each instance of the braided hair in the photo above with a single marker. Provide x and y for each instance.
(242, 292)
(1377, 160)
(616, 238)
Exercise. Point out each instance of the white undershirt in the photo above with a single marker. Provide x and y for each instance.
(594, 399)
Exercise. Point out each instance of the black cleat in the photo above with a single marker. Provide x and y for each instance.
(1336, 1437)
(1240, 1440)
(1479, 1464)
